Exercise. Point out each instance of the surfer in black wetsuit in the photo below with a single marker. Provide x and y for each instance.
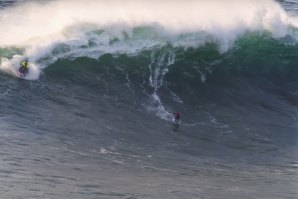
(24, 68)
(177, 116)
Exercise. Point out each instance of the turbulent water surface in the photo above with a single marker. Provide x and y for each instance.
(94, 116)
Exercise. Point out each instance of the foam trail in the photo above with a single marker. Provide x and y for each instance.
(40, 28)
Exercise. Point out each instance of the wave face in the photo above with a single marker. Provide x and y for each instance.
(194, 57)
(106, 76)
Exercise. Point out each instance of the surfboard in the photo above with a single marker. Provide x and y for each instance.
(21, 75)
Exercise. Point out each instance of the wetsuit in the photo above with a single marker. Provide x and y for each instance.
(24, 68)
(177, 116)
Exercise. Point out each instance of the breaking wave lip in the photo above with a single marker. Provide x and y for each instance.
(78, 29)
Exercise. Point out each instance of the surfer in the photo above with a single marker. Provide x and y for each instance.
(177, 116)
(24, 68)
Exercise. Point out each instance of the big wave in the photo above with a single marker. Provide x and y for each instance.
(65, 29)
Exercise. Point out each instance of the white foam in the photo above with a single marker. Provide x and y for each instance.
(223, 19)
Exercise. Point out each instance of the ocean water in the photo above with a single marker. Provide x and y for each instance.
(94, 116)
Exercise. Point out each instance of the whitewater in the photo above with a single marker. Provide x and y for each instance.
(94, 116)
